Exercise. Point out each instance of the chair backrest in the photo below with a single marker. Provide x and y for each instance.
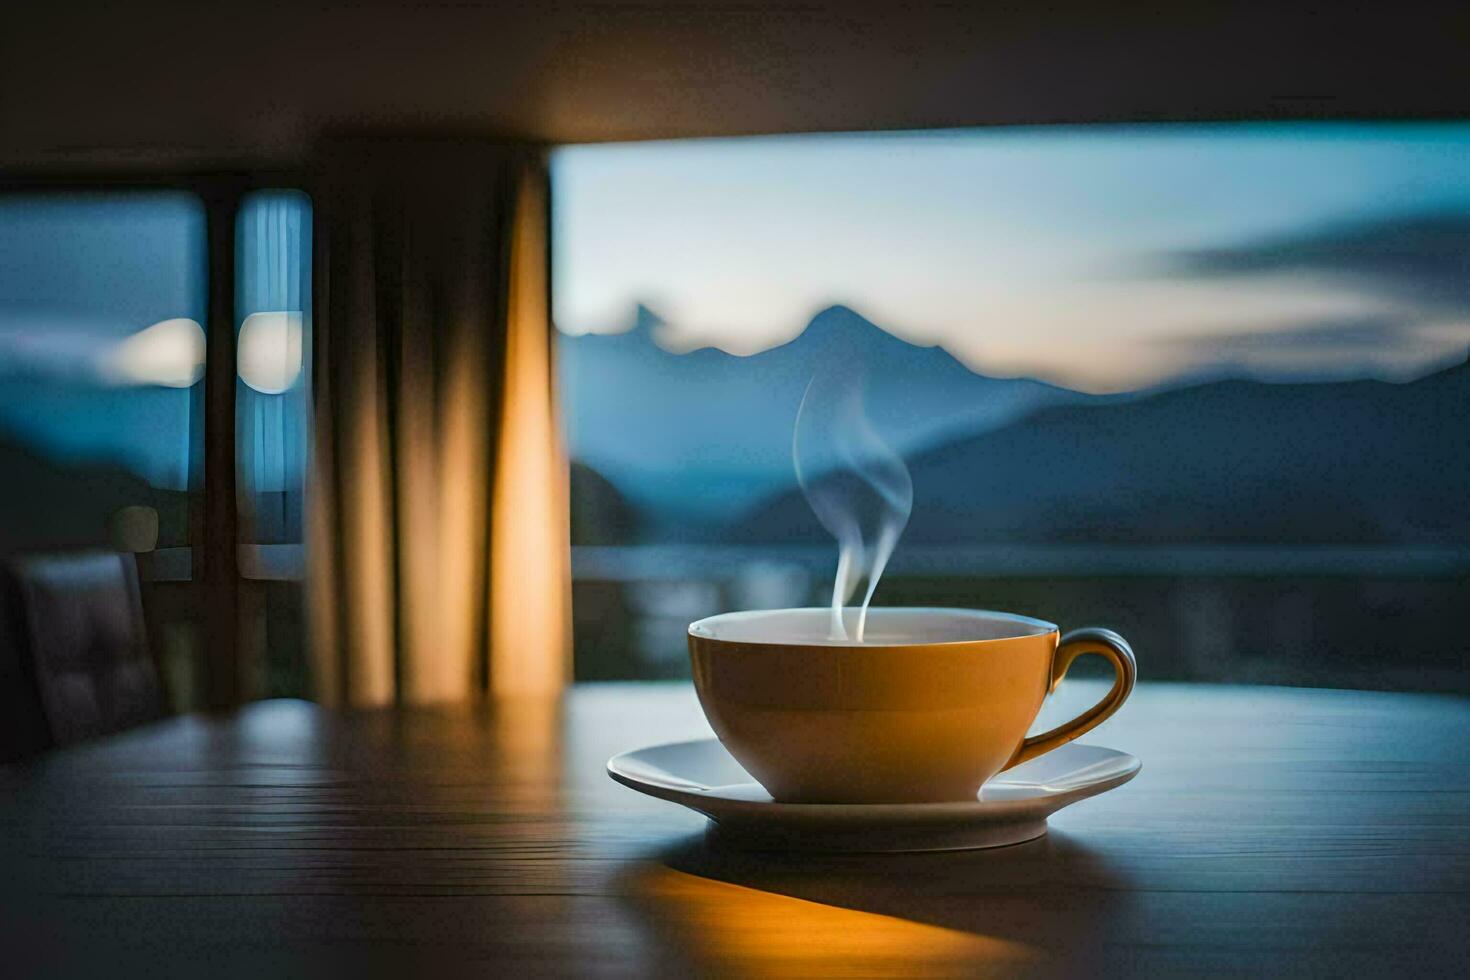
(82, 630)
(23, 728)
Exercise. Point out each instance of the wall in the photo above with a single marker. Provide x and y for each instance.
(85, 83)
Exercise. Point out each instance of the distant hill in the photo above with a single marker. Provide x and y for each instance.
(600, 514)
(1358, 462)
(701, 435)
(50, 505)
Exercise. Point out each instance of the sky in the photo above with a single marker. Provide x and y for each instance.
(1102, 258)
(79, 274)
(101, 300)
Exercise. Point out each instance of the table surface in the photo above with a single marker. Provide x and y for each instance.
(1271, 831)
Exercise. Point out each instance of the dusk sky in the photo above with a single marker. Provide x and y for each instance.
(79, 273)
(1103, 258)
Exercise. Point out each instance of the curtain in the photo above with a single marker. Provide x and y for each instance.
(438, 557)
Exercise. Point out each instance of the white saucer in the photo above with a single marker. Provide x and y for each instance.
(1011, 808)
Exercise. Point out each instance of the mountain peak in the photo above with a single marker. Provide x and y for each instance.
(843, 328)
(646, 321)
(841, 320)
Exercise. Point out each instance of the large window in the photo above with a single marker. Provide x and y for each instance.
(104, 320)
(1206, 385)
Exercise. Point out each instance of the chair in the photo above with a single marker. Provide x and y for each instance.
(23, 728)
(77, 624)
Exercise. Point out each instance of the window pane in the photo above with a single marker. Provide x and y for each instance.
(101, 352)
(273, 312)
(102, 297)
(1206, 385)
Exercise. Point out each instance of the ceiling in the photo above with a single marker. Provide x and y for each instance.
(150, 84)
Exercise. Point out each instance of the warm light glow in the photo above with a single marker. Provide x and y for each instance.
(530, 558)
(352, 629)
(733, 930)
(269, 351)
(169, 353)
(442, 475)
(398, 527)
(369, 621)
(461, 495)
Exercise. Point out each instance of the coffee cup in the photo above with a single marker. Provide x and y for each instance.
(929, 706)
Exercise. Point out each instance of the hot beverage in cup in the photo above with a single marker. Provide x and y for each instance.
(929, 705)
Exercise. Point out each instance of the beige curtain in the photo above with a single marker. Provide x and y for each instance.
(438, 550)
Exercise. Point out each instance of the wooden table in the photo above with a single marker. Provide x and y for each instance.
(1271, 831)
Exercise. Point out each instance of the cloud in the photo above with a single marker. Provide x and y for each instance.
(1421, 258)
(58, 349)
(1370, 333)
(1373, 346)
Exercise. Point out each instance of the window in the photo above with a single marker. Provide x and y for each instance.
(1205, 385)
(103, 307)
(273, 338)
(102, 297)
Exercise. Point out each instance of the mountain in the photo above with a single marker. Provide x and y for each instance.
(700, 436)
(1359, 462)
(53, 505)
(600, 514)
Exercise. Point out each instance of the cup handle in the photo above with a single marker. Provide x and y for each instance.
(1076, 643)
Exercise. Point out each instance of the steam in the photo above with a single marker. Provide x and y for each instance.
(857, 486)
